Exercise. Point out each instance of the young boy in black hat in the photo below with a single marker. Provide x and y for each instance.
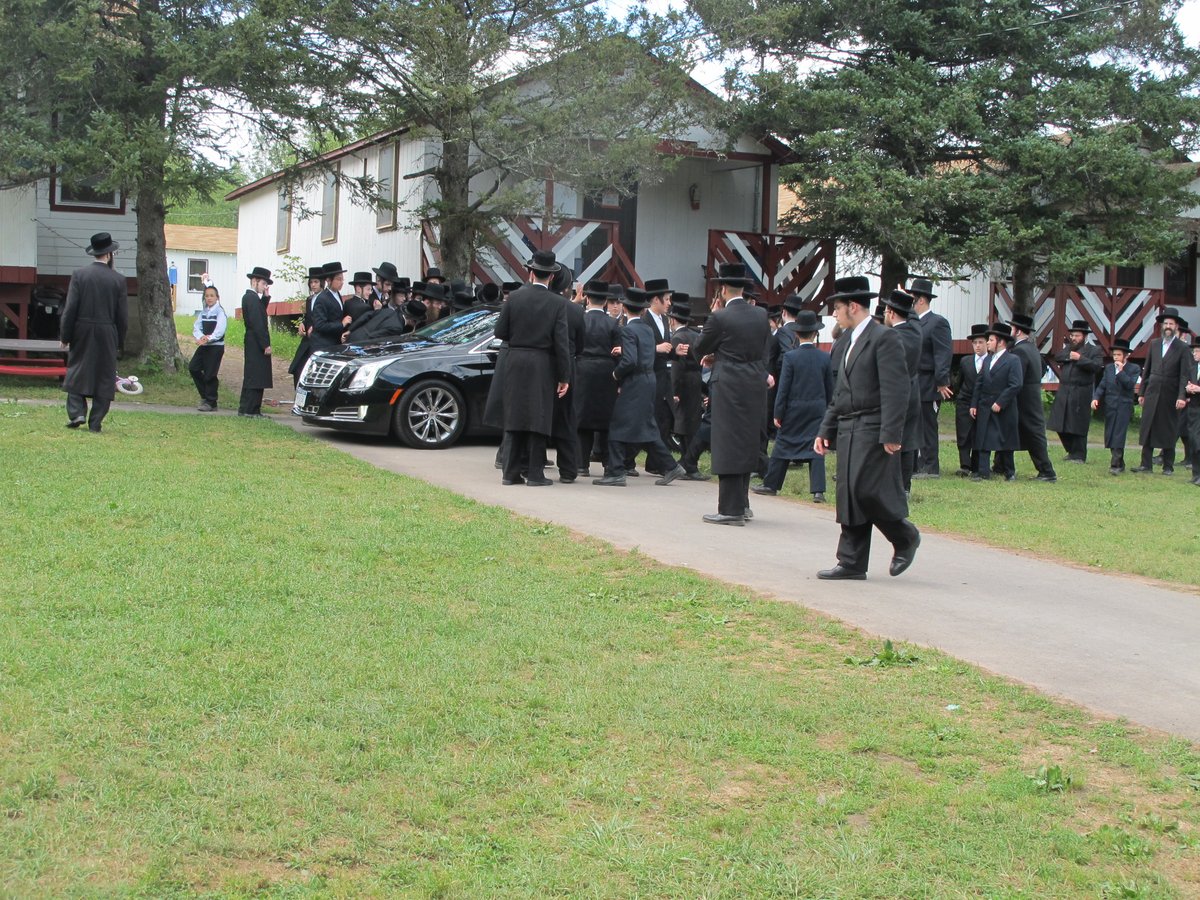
(1117, 389)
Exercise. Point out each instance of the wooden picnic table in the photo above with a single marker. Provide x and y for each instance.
(15, 358)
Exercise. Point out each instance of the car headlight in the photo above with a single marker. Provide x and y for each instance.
(364, 376)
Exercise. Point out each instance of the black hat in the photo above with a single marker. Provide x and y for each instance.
(562, 280)
(635, 298)
(400, 283)
(387, 272)
(542, 262)
(435, 292)
(1001, 329)
(1169, 312)
(979, 330)
(901, 301)
(330, 269)
(922, 286)
(615, 291)
(456, 286)
(509, 286)
(488, 293)
(1122, 344)
(260, 272)
(414, 309)
(596, 289)
(732, 273)
(681, 310)
(433, 272)
(852, 287)
(1022, 321)
(877, 315)
(362, 278)
(774, 312)
(416, 287)
(1080, 325)
(656, 286)
(1183, 327)
(102, 243)
(793, 303)
(807, 322)
(463, 299)
(315, 273)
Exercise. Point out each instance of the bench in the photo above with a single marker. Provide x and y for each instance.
(15, 358)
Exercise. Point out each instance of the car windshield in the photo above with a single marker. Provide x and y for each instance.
(460, 328)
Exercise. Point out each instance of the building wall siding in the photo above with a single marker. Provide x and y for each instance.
(18, 234)
(63, 236)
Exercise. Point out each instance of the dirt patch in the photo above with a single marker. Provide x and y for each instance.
(233, 367)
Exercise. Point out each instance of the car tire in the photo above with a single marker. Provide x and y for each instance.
(431, 415)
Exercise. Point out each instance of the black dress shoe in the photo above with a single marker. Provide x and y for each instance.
(1195, 481)
(94, 429)
(677, 472)
(1049, 479)
(748, 514)
(508, 481)
(1168, 471)
(75, 423)
(566, 479)
(1116, 470)
(902, 561)
(610, 481)
(763, 489)
(841, 573)
(1142, 469)
(632, 473)
(697, 476)
(975, 476)
(818, 497)
(538, 482)
(718, 519)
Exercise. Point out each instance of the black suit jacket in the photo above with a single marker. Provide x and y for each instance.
(327, 321)
(937, 352)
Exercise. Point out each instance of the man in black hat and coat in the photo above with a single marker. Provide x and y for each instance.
(964, 423)
(359, 304)
(738, 338)
(659, 292)
(256, 374)
(92, 331)
(595, 390)
(1071, 414)
(687, 389)
(898, 314)
(937, 353)
(536, 370)
(386, 278)
(1117, 390)
(304, 348)
(1163, 393)
(1192, 413)
(565, 431)
(331, 322)
(994, 406)
(864, 425)
(1031, 415)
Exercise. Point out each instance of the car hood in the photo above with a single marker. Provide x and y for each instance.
(400, 349)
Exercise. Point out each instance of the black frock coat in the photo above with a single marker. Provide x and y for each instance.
(1072, 410)
(803, 394)
(379, 325)
(686, 383)
(999, 382)
(304, 348)
(1031, 414)
(633, 419)
(256, 374)
(739, 338)
(594, 389)
(566, 423)
(534, 322)
(93, 323)
(870, 404)
(1164, 380)
(356, 308)
(1116, 392)
(910, 335)
(937, 353)
(327, 318)
(964, 425)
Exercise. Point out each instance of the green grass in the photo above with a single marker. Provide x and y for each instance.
(237, 663)
(284, 340)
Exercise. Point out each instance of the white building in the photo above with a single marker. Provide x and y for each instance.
(194, 251)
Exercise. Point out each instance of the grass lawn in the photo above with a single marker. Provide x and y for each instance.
(238, 663)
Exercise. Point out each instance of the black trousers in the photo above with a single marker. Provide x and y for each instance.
(77, 409)
(250, 402)
(1117, 460)
(854, 547)
(928, 461)
(522, 446)
(696, 445)
(1168, 457)
(566, 454)
(658, 457)
(592, 443)
(777, 471)
(733, 494)
(968, 459)
(1074, 444)
(1032, 437)
(1005, 464)
(205, 365)
(664, 415)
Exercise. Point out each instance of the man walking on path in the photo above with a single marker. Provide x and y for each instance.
(92, 331)
(256, 373)
(1031, 416)
(737, 338)
(1071, 414)
(1163, 393)
(864, 425)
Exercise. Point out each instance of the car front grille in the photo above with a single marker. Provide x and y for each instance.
(320, 373)
(348, 413)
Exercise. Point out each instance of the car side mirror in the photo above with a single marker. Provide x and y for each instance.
(494, 344)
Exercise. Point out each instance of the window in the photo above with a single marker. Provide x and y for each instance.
(1179, 279)
(1129, 276)
(385, 216)
(197, 268)
(84, 195)
(283, 222)
(329, 208)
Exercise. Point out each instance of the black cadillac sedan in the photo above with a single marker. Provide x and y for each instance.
(427, 389)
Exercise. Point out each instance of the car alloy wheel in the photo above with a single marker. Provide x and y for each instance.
(430, 416)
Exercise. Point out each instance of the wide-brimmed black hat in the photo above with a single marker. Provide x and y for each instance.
(615, 291)
(979, 330)
(774, 312)
(596, 289)
(542, 262)
(435, 292)
(901, 301)
(1001, 329)
(922, 286)
(656, 286)
(387, 272)
(1169, 312)
(463, 299)
(1022, 321)
(401, 283)
(509, 286)
(681, 311)
(732, 273)
(793, 303)
(488, 293)
(332, 268)
(1079, 325)
(807, 321)
(314, 273)
(852, 287)
(362, 278)
(635, 298)
(1121, 344)
(433, 272)
(1184, 328)
(260, 272)
(880, 309)
(101, 244)
(415, 309)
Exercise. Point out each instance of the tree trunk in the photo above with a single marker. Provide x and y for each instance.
(457, 227)
(1023, 284)
(160, 344)
(893, 273)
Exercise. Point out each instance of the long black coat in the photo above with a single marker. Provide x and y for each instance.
(999, 382)
(803, 394)
(93, 323)
(594, 389)
(1031, 415)
(633, 414)
(686, 383)
(327, 318)
(1072, 411)
(738, 336)
(356, 307)
(937, 352)
(257, 372)
(1116, 392)
(910, 335)
(870, 403)
(964, 425)
(304, 348)
(1164, 380)
(566, 423)
(534, 322)
(379, 325)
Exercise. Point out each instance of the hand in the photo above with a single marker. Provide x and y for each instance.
(562, 389)
(203, 340)
(676, 398)
(770, 381)
(995, 407)
(345, 336)
(707, 361)
(1141, 401)
(973, 412)
(300, 328)
(1074, 355)
(664, 347)
(1095, 404)
(945, 392)
(778, 423)
(821, 446)
(1192, 388)
(346, 320)
(682, 349)
(1180, 404)
(891, 449)
(267, 352)
(616, 351)
(204, 279)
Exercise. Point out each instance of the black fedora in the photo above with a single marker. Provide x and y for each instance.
(401, 284)
(732, 273)
(793, 303)
(680, 310)
(807, 322)
(1022, 322)
(1079, 325)
(260, 272)
(463, 299)
(331, 268)
(102, 244)
(434, 272)
(979, 330)
(900, 301)
(1169, 312)
(852, 287)
(1121, 344)
(1184, 328)
(1001, 329)
(509, 286)
(922, 286)
(542, 262)
(635, 298)
(314, 273)
(362, 278)
(596, 289)
(488, 293)
(387, 272)
(880, 309)
(414, 309)
(656, 286)
(434, 292)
